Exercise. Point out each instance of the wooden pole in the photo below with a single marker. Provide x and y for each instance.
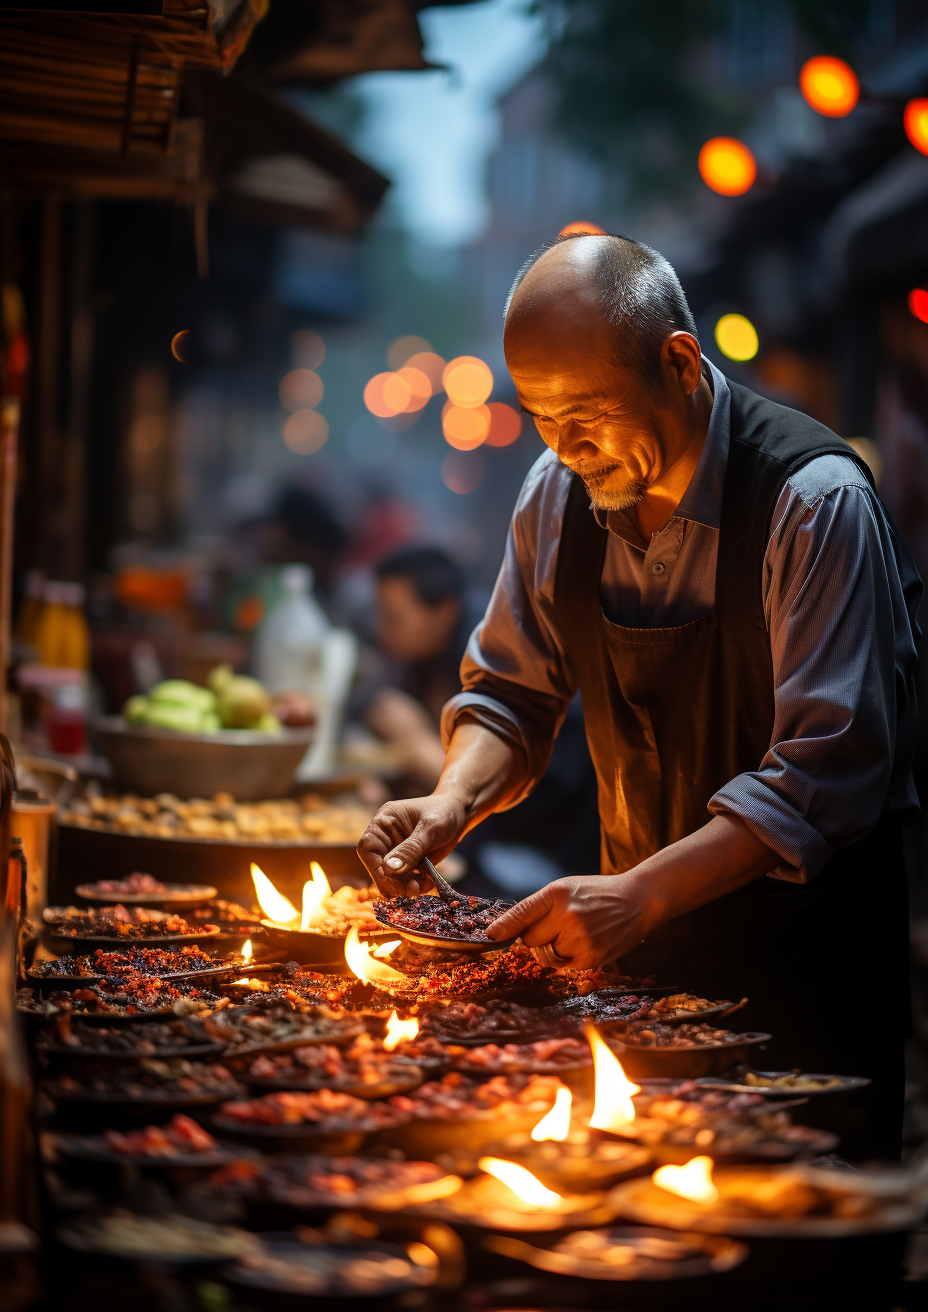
(9, 435)
(47, 383)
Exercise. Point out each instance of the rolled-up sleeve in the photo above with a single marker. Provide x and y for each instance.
(516, 679)
(843, 663)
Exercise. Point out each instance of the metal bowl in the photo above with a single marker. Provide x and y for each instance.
(248, 764)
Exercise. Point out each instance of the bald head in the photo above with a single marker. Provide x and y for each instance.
(630, 288)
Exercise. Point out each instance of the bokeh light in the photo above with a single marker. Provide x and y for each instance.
(417, 385)
(374, 398)
(465, 427)
(915, 121)
(305, 432)
(462, 471)
(180, 345)
(430, 364)
(580, 226)
(727, 166)
(829, 85)
(505, 424)
(736, 337)
(300, 389)
(467, 380)
(918, 303)
(399, 351)
(307, 349)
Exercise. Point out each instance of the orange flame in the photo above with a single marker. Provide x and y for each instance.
(315, 892)
(362, 963)
(387, 949)
(247, 951)
(522, 1183)
(275, 906)
(399, 1031)
(693, 1181)
(613, 1106)
(256, 985)
(555, 1124)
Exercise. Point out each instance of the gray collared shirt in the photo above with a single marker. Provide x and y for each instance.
(841, 642)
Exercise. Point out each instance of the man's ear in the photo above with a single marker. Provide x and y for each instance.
(681, 354)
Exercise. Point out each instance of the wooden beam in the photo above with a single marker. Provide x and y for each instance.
(9, 437)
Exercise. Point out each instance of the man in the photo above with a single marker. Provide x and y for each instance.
(738, 612)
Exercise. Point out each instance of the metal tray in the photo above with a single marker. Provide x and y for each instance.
(174, 898)
(287, 1244)
(312, 947)
(78, 1235)
(211, 1049)
(87, 1148)
(170, 977)
(849, 1083)
(654, 1258)
(385, 1089)
(686, 1063)
(448, 941)
(172, 1103)
(332, 1140)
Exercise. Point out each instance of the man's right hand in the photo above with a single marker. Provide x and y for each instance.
(402, 833)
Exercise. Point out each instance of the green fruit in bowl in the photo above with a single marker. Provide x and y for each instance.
(269, 723)
(136, 709)
(167, 715)
(179, 692)
(241, 702)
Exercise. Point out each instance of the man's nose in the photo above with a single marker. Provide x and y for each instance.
(574, 444)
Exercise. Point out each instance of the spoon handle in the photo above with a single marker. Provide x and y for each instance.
(445, 891)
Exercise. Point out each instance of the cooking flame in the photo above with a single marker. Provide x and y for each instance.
(274, 905)
(399, 1031)
(522, 1183)
(387, 949)
(315, 892)
(613, 1106)
(366, 967)
(555, 1124)
(247, 950)
(693, 1181)
(256, 985)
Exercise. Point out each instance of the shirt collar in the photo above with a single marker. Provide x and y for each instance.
(701, 503)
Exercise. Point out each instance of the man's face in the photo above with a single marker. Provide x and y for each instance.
(598, 417)
(407, 628)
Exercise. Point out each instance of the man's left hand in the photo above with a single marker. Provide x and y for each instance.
(587, 919)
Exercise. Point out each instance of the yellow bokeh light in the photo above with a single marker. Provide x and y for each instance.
(399, 351)
(430, 364)
(300, 389)
(915, 121)
(829, 85)
(307, 349)
(306, 432)
(467, 380)
(465, 427)
(736, 337)
(727, 166)
(505, 424)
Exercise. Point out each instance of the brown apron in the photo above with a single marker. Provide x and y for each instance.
(672, 715)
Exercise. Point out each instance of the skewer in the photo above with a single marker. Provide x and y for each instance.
(445, 891)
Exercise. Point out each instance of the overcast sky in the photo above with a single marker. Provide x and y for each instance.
(431, 133)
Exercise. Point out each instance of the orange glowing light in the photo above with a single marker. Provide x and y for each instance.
(387, 949)
(406, 391)
(915, 122)
(465, 428)
(399, 1031)
(307, 349)
(612, 1106)
(374, 397)
(429, 1192)
(300, 389)
(362, 963)
(523, 1184)
(727, 166)
(180, 345)
(256, 985)
(918, 303)
(692, 1181)
(247, 951)
(462, 471)
(400, 350)
(275, 906)
(306, 432)
(467, 380)
(555, 1124)
(315, 892)
(430, 364)
(505, 424)
(581, 227)
(829, 85)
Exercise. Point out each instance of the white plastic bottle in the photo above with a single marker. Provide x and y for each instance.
(289, 654)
